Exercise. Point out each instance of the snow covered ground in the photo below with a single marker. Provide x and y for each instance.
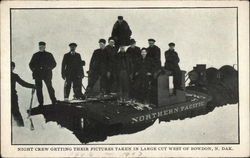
(200, 36)
(218, 126)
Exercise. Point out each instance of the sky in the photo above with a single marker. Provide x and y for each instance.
(202, 36)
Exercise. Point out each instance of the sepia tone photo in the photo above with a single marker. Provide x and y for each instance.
(131, 71)
(121, 76)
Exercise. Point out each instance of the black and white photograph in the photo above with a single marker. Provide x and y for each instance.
(124, 75)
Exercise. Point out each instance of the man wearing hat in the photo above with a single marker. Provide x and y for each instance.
(154, 52)
(72, 72)
(41, 64)
(97, 66)
(124, 67)
(133, 52)
(143, 70)
(121, 32)
(110, 60)
(171, 64)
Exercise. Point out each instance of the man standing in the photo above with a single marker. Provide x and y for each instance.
(97, 66)
(42, 63)
(143, 78)
(124, 72)
(111, 77)
(154, 53)
(121, 33)
(172, 65)
(72, 72)
(14, 99)
(133, 52)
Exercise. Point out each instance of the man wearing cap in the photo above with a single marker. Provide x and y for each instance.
(124, 67)
(121, 32)
(72, 72)
(97, 66)
(143, 77)
(41, 64)
(110, 60)
(133, 52)
(154, 52)
(171, 64)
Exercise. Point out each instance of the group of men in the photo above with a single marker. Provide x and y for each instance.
(130, 72)
(41, 64)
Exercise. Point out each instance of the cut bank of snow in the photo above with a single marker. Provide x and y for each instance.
(218, 126)
(44, 133)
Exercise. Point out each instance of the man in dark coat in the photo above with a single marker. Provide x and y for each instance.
(110, 60)
(14, 98)
(154, 52)
(172, 65)
(133, 52)
(121, 33)
(72, 72)
(42, 63)
(124, 67)
(143, 77)
(97, 66)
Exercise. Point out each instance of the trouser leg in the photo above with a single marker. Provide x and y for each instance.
(39, 90)
(114, 82)
(15, 111)
(50, 90)
(93, 77)
(124, 84)
(177, 79)
(108, 84)
(120, 85)
(67, 87)
(77, 87)
(102, 83)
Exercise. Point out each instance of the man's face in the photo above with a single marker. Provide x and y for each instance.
(102, 45)
(12, 68)
(122, 48)
(133, 45)
(151, 43)
(120, 21)
(171, 47)
(42, 48)
(111, 42)
(143, 53)
(72, 48)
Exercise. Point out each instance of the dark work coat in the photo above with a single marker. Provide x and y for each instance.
(110, 59)
(121, 33)
(72, 66)
(142, 81)
(134, 54)
(154, 53)
(41, 65)
(124, 62)
(16, 79)
(97, 64)
(143, 66)
(172, 60)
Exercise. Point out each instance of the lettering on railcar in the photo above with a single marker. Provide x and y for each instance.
(165, 112)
